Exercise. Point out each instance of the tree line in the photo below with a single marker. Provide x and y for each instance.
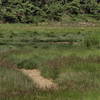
(30, 11)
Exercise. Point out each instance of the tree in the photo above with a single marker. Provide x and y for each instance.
(29, 11)
(89, 6)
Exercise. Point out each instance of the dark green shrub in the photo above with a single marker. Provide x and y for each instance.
(54, 11)
(33, 11)
(73, 7)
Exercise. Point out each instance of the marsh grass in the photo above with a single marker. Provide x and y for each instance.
(76, 73)
(74, 66)
(13, 82)
(58, 67)
(19, 35)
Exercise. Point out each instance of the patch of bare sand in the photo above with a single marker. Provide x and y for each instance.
(40, 81)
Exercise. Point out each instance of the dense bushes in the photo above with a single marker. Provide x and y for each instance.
(20, 12)
(33, 11)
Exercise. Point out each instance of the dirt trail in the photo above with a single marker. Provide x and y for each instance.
(40, 81)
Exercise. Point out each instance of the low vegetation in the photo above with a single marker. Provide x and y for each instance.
(16, 34)
(70, 56)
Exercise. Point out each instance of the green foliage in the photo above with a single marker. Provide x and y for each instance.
(89, 6)
(29, 11)
(73, 7)
(24, 12)
(54, 11)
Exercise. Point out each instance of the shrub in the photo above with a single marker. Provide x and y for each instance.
(73, 7)
(54, 11)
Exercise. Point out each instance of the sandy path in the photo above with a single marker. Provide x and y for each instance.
(40, 81)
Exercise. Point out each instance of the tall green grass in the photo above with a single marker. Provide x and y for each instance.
(19, 35)
(12, 81)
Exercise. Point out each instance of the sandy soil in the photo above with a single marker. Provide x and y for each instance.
(39, 80)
